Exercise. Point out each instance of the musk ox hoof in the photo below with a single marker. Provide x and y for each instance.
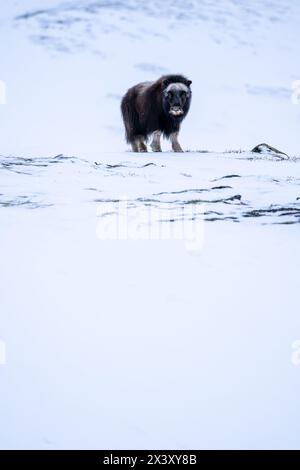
(155, 149)
(143, 147)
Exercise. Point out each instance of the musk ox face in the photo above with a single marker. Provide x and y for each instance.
(176, 99)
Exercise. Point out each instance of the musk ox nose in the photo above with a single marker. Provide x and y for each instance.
(176, 111)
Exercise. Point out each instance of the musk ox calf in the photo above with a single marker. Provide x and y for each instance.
(156, 108)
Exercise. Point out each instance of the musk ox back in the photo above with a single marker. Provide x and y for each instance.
(156, 108)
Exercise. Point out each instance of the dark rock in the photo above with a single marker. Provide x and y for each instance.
(267, 149)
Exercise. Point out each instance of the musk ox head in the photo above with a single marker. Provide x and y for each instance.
(176, 98)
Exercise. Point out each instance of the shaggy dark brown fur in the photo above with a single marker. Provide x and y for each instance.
(156, 107)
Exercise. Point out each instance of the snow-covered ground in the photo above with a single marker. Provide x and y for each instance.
(144, 342)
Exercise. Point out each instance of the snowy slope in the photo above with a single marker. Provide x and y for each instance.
(65, 60)
(147, 342)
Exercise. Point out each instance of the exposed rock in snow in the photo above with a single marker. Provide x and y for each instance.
(267, 149)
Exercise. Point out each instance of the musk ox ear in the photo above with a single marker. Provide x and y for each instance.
(189, 82)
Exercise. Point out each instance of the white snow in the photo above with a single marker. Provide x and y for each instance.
(148, 343)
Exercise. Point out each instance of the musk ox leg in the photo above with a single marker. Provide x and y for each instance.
(134, 146)
(138, 145)
(143, 147)
(175, 144)
(155, 144)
